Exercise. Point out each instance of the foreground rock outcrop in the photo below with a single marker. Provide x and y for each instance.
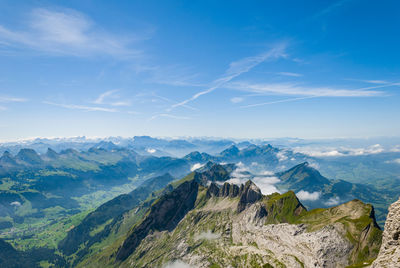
(389, 254)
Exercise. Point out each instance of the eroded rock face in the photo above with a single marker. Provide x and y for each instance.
(389, 254)
(291, 244)
(248, 194)
(164, 215)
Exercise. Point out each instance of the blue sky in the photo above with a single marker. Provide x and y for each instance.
(244, 69)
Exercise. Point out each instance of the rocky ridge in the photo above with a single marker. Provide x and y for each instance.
(226, 225)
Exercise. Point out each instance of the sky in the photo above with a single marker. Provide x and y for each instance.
(241, 69)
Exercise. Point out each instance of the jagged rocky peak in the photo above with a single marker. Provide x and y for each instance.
(302, 172)
(196, 156)
(226, 190)
(212, 172)
(6, 156)
(51, 153)
(389, 254)
(248, 193)
(231, 151)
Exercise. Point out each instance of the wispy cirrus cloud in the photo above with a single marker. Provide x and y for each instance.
(235, 69)
(290, 74)
(112, 98)
(172, 101)
(66, 32)
(7, 99)
(82, 107)
(303, 92)
(377, 83)
(330, 8)
(100, 99)
(167, 115)
(278, 101)
(172, 75)
(299, 90)
(236, 99)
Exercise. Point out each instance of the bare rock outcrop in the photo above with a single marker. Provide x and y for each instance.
(389, 254)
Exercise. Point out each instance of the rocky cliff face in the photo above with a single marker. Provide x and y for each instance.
(248, 193)
(164, 215)
(389, 254)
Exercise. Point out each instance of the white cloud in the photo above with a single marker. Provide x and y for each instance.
(265, 180)
(281, 156)
(15, 203)
(236, 99)
(169, 116)
(5, 99)
(8, 99)
(313, 164)
(196, 166)
(278, 101)
(290, 74)
(395, 149)
(376, 81)
(304, 195)
(120, 103)
(394, 161)
(178, 264)
(333, 201)
(111, 98)
(207, 235)
(296, 89)
(82, 107)
(66, 32)
(101, 97)
(235, 69)
(151, 150)
(318, 153)
(266, 184)
(172, 101)
(342, 151)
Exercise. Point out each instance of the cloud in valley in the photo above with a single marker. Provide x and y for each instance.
(341, 151)
(178, 264)
(307, 196)
(333, 201)
(207, 235)
(394, 161)
(196, 166)
(264, 180)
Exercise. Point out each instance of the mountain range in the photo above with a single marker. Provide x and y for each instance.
(79, 207)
